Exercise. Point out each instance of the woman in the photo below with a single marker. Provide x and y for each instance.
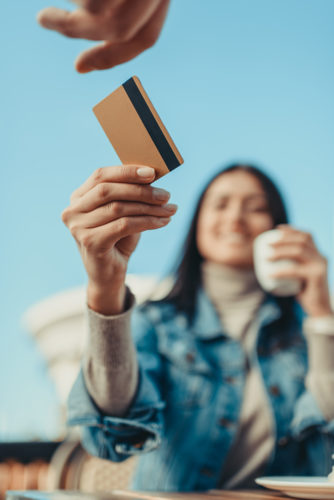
(216, 384)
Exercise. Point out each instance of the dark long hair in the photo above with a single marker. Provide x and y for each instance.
(188, 269)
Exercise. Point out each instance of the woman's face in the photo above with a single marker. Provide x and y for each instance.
(234, 211)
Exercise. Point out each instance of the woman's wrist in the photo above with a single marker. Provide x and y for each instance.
(320, 313)
(317, 302)
(321, 307)
(107, 300)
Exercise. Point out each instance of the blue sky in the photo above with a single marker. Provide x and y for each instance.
(232, 80)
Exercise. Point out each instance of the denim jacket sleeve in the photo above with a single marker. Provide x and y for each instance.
(141, 429)
(308, 416)
(315, 433)
(310, 426)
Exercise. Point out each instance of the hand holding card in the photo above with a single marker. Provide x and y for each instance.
(116, 204)
(135, 129)
(106, 216)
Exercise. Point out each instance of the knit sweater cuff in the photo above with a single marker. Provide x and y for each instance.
(110, 364)
(110, 336)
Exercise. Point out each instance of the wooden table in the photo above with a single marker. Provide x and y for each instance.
(142, 495)
(210, 495)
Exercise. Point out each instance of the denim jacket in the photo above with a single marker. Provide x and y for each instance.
(184, 417)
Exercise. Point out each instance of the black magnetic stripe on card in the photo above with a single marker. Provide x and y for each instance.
(151, 124)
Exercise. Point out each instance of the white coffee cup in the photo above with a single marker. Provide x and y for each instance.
(264, 267)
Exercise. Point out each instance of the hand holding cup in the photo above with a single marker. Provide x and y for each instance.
(287, 262)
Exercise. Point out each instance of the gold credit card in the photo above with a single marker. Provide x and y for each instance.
(135, 129)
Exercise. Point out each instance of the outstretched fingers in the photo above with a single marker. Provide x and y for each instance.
(111, 53)
(126, 27)
(76, 24)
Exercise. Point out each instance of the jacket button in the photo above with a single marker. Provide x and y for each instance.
(190, 357)
(283, 441)
(225, 422)
(229, 380)
(207, 472)
(274, 390)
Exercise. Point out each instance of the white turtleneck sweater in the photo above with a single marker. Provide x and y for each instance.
(237, 297)
(111, 371)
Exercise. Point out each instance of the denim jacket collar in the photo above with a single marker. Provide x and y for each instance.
(207, 325)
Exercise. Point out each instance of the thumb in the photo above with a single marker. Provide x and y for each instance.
(106, 55)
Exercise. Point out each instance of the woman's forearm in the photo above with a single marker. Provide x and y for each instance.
(110, 361)
(320, 378)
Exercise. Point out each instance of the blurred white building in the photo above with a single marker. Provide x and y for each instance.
(57, 323)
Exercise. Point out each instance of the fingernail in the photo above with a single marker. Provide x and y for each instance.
(171, 207)
(163, 220)
(145, 172)
(160, 194)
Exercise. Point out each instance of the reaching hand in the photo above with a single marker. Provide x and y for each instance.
(126, 27)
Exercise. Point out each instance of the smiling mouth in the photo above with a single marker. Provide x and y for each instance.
(237, 238)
